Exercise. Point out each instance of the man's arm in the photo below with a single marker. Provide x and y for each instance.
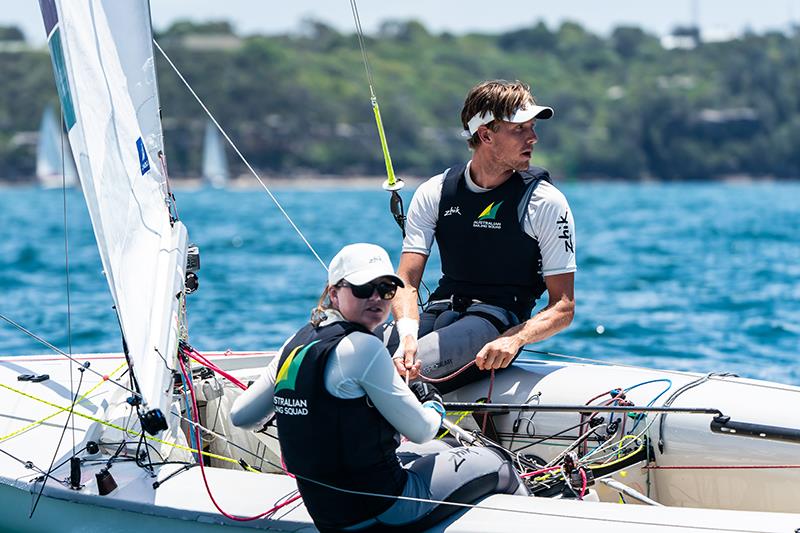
(406, 313)
(556, 316)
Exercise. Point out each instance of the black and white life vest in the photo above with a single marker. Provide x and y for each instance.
(486, 254)
(338, 442)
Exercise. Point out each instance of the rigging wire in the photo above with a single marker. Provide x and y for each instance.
(66, 260)
(128, 431)
(55, 452)
(239, 153)
(392, 183)
(61, 352)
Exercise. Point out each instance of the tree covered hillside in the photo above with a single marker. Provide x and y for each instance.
(626, 107)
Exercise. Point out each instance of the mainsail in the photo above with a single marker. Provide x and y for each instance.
(103, 60)
(215, 164)
(54, 163)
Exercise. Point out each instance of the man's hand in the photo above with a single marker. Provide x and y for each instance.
(404, 358)
(497, 354)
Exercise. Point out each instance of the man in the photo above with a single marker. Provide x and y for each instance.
(505, 235)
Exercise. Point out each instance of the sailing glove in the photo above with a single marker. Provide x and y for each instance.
(425, 392)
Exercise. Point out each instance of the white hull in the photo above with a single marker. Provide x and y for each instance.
(181, 503)
(688, 440)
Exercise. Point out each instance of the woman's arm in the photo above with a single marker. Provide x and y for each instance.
(253, 407)
(361, 364)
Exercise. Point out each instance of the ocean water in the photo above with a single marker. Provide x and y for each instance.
(702, 277)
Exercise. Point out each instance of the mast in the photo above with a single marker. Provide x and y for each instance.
(104, 67)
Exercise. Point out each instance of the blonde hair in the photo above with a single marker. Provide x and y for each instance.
(324, 303)
(501, 97)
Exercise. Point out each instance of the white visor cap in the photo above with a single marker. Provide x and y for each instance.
(361, 263)
(522, 114)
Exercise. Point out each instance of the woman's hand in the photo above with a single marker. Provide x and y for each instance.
(405, 356)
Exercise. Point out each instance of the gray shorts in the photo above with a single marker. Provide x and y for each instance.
(449, 340)
(439, 472)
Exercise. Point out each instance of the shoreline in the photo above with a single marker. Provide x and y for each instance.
(246, 182)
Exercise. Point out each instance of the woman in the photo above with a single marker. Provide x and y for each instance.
(340, 407)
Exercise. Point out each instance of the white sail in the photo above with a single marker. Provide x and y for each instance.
(103, 62)
(54, 164)
(215, 164)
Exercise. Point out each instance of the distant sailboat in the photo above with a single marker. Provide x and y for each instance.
(215, 164)
(52, 169)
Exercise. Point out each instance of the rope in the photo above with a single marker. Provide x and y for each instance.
(241, 156)
(540, 472)
(447, 377)
(200, 358)
(719, 467)
(712, 376)
(48, 417)
(488, 400)
(203, 468)
(127, 431)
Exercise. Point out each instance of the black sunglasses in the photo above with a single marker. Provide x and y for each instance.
(385, 289)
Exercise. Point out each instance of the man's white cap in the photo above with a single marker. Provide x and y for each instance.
(361, 263)
(522, 114)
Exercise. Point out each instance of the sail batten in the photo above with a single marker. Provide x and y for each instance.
(104, 68)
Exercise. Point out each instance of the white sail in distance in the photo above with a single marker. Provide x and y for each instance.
(103, 62)
(215, 164)
(54, 164)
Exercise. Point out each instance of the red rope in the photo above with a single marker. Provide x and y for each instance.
(447, 377)
(488, 400)
(539, 472)
(456, 373)
(203, 468)
(200, 358)
(584, 482)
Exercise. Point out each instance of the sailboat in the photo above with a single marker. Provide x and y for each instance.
(215, 164)
(114, 441)
(54, 164)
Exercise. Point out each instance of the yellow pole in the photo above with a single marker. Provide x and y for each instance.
(391, 180)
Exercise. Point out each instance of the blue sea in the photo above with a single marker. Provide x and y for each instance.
(702, 277)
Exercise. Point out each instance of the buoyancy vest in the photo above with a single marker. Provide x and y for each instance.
(486, 254)
(343, 443)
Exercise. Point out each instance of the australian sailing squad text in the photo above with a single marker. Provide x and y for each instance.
(290, 406)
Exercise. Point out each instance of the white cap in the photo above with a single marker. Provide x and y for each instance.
(361, 263)
(522, 114)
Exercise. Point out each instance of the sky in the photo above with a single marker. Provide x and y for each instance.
(456, 16)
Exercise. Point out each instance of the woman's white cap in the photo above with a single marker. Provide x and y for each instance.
(522, 114)
(361, 263)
